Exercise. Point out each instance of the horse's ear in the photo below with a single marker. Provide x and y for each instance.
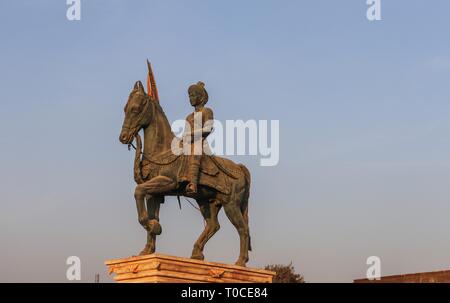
(139, 87)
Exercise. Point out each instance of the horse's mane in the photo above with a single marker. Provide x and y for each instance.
(158, 110)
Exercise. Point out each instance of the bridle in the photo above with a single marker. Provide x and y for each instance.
(140, 117)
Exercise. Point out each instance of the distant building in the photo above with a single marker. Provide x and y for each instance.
(424, 277)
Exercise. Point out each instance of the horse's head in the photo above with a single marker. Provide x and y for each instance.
(137, 113)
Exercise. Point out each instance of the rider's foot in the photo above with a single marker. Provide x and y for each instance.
(191, 188)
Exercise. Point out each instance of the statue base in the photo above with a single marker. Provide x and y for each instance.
(157, 268)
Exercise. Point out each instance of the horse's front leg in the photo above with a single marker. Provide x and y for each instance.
(153, 227)
(153, 190)
(139, 196)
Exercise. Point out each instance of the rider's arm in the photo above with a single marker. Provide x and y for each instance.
(207, 123)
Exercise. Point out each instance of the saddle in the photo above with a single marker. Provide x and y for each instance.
(215, 172)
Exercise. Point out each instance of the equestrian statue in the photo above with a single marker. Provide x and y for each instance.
(165, 165)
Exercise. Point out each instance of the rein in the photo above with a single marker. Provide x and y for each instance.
(137, 159)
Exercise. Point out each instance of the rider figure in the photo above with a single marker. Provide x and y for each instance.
(199, 126)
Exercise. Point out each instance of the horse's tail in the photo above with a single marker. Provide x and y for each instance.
(244, 202)
(137, 160)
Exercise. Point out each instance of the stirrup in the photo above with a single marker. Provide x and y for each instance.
(189, 189)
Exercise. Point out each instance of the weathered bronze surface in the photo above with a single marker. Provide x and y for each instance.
(214, 182)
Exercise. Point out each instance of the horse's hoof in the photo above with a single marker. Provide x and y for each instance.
(240, 263)
(146, 251)
(200, 257)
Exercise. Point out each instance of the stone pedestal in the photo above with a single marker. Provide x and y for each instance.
(159, 268)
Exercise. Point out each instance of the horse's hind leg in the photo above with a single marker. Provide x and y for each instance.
(153, 226)
(209, 212)
(233, 212)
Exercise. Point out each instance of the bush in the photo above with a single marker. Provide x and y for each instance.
(285, 274)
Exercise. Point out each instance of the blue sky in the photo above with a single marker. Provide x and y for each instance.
(363, 109)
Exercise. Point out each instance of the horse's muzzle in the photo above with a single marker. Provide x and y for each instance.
(125, 138)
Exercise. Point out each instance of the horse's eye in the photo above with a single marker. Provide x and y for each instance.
(136, 109)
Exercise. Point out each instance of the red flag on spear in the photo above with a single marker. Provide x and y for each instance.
(151, 84)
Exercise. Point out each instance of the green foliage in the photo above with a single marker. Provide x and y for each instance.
(285, 274)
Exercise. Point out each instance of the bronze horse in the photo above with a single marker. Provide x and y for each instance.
(159, 172)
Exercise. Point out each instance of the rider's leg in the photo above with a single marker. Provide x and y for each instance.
(193, 171)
